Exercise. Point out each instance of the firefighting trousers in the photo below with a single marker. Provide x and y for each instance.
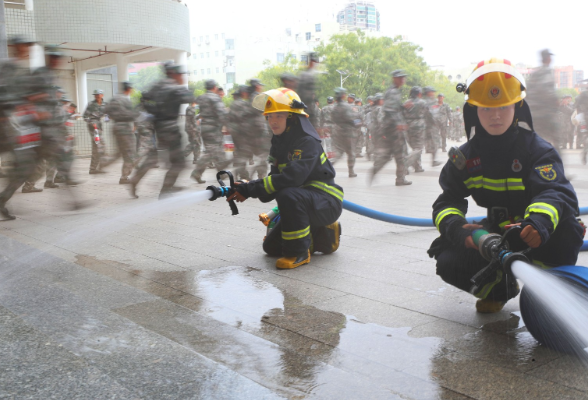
(302, 211)
(458, 266)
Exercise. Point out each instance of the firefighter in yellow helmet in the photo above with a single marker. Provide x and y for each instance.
(301, 180)
(513, 173)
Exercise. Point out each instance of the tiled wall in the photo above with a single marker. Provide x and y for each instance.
(161, 23)
(20, 22)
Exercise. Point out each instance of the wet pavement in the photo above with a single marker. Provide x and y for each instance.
(140, 299)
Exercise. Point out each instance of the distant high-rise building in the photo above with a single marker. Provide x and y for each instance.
(359, 15)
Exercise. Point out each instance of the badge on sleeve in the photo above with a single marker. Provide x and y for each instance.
(457, 158)
(297, 155)
(546, 172)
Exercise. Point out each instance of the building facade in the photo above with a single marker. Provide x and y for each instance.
(359, 15)
(101, 34)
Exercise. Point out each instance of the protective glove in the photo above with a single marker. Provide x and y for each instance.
(240, 194)
(460, 234)
(529, 234)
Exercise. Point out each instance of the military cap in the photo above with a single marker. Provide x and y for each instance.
(20, 39)
(378, 96)
(65, 100)
(398, 73)
(428, 89)
(242, 89)
(97, 92)
(351, 95)
(314, 57)
(255, 82)
(330, 99)
(126, 86)
(546, 53)
(53, 50)
(457, 108)
(60, 90)
(359, 100)
(74, 105)
(440, 95)
(171, 68)
(370, 98)
(210, 84)
(415, 90)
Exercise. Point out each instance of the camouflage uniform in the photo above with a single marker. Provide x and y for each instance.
(543, 102)
(121, 111)
(360, 141)
(457, 126)
(53, 155)
(415, 110)
(164, 101)
(326, 123)
(213, 116)
(147, 139)
(93, 115)
(567, 130)
(581, 105)
(443, 120)
(432, 137)
(307, 93)
(193, 133)
(19, 131)
(345, 120)
(373, 128)
(251, 138)
(391, 141)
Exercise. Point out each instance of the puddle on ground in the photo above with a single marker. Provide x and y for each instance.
(295, 349)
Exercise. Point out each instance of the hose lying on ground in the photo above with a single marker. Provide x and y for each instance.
(425, 222)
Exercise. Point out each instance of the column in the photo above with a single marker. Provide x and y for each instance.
(122, 70)
(181, 58)
(81, 87)
(3, 39)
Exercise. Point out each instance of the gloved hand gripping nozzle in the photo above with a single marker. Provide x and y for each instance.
(497, 250)
(224, 191)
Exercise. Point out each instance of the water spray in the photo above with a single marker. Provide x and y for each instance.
(224, 191)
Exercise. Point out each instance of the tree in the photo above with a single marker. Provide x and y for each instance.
(369, 62)
(146, 77)
(270, 76)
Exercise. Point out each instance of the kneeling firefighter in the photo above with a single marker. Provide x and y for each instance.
(513, 173)
(301, 180)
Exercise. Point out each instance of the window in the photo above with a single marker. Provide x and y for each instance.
(304, 59)
(202, 71)
(216, 53)
(307, 35)
(207, 39)
(223, 36)
(230, 61)
(208, 71)
(201, 55)
(217, 70)
(280, 57)
(317, 28)
(230, 77)
(195, 72)
(563, 79)
(201, 38)
(229, 44)
(216, 36)
(223, 53)
(288, 32)
(207, 54)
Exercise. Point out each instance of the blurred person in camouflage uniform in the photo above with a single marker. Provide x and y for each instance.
(121, 111)
(432, 133)
(443, 120)
(345, 121)
(543, 100)
(195, 140)
(391, 142)
(415, 110)
(93, 116)
(163, 101)
(307, 89)
(213, 116)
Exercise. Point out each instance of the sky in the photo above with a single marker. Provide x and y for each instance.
(452, 33)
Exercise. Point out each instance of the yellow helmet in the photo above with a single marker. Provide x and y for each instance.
(494, 83)
(279, 100)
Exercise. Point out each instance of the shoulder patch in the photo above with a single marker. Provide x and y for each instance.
(547, 172)
(457, 158)
(296, 155)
